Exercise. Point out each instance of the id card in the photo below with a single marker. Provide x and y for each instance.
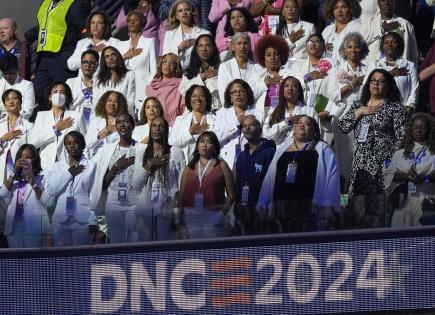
(43, 37)
(70, 205)
(238, 149)
(155, 189)
(412, 188)
(245, 195)
(291, 172)
(122, 192)
(363, 133)
(199, 202)
(19, 212)
(86, 114)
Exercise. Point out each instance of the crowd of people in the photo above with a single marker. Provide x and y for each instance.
(214, 118)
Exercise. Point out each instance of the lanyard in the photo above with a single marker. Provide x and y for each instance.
(201, 174)
(195, 121)
(416, 159)
(300, 151)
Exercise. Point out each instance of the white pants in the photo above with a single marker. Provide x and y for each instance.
(153, 227)
(20, 239)
(71, 233)
(204, 224)
(121, 225)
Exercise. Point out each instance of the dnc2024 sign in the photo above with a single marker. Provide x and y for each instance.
(296, 278)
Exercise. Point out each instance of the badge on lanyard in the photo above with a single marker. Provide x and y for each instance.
(122, 192)
(291, 172)
(245, 195)
(155, 190)
(42, 40)
(199, 202)
(9, 161)
(70, 205)
(238, 150)
(86, 113)
(363, 132)
(19, 211)
(412, 188)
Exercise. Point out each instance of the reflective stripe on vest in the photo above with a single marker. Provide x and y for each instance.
(52, 25)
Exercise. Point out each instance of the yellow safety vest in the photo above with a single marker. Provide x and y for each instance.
(52, 25)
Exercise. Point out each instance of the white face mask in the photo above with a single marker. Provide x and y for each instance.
(58, 99)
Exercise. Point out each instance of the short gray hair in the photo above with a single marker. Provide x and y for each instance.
(359, 39)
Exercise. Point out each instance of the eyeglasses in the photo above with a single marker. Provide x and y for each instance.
(314, 42)
(377, 82)
(238, 92)
(89, 63)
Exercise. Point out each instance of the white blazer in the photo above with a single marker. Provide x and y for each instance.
(93, 144)
(60, 183)
(261, 86)
(84, 44)
(327, 186)
(140, 132)
(102, 159)
(26, 89)
(331, 37)
(35, 210)
(25, 126)
(229, 71)
(79, 100)
(143, 66)
(174, 37)
(227, 131)
(143, 180)
(127, 87)
(43, 136)
(211, 84)
(408, 84)
(182, 137)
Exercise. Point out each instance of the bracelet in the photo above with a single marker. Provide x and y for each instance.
(57, 132)
(308, 77)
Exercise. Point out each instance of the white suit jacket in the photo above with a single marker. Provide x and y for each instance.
(60, 183)
(84, 44)
(25, 126)
(174, 37)
(327, 186)
(26, 89)
(182, 137)
(93, 144)
(262, 87)
(229, 71)
(43, 136)
(127, 87)
(76, 85)
(211, 84)
(226, 129)
(35, 210)
(143, 66)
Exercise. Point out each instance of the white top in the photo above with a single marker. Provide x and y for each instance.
(93, 144)
(211, 84)
(26, 89)
(80, 100)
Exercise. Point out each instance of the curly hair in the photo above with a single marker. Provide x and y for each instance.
(328, 8)
(173, 22)
(107, 24)
(364, 49)
(271, 41)
(142, 117)
(207, 94)
(251, 26)
(104, 75)
(282, 29)
(159, 73)
(393, 93)
(249, 94)
(398, 38)
(279, 113)
(195, 63)
(100, 109)
(77, 137)
(408, 142)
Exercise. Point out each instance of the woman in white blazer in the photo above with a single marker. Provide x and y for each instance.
(239, 67)
(82, 85)
(405, 72)
(112, 193)
(203, 69)
(293, 29)
(70, 181)
(344, 17)
(157, 173)
(139, 54)
(102, 127)
(151, 109)
(279, 124)
(27, 223)
(194, 121)
(14, 132)
(238, 97)
(99, 37)
(113, 75)
(183, 31)
(51, 126)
